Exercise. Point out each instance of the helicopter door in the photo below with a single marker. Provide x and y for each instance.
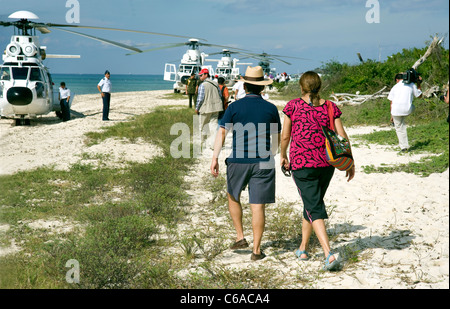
(170, 72)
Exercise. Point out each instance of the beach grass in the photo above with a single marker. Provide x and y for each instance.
(111, 215)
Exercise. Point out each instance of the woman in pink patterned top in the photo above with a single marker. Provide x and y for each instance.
(307, 160)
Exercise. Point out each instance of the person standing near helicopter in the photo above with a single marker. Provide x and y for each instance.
(209, 105)
(192, 88)
(64, 99)
(104, 86)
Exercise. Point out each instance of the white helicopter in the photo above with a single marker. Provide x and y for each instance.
(26, 86)
(227, 67)
(192, 62)
(265, 60)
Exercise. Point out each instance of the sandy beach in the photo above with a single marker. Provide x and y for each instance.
(398, 223)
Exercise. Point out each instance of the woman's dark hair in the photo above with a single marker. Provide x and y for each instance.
(311, 83)
(253, 89)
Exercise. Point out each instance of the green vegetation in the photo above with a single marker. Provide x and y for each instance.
(115, 215)
(371, 76)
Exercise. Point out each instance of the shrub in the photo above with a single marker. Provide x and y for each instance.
(371, 76)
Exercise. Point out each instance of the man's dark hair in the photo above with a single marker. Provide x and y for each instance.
(221, 80)
(254, 89)
(399, 76)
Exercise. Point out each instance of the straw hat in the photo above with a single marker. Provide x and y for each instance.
(255, 76)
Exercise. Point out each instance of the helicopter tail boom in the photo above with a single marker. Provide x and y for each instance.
(63, 56)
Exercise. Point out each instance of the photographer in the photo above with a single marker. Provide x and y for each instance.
(401, 97)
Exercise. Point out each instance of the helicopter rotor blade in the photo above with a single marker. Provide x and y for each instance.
(51, 25)
(43, 30)
(281, 60)
(213, 54)
(222, 52)
(121, 45)
(164, 46)
(270, 57)
(221, 46)
(189, 43)
(6, 23)
(290, 57)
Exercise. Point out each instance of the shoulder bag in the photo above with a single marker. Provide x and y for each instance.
(338, 151)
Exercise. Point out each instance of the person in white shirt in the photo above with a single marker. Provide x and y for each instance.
(282, 78)
(239, 91)
(104, 86)
(401, 97)
(64, 98)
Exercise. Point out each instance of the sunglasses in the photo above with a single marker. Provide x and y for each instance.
(286, 172)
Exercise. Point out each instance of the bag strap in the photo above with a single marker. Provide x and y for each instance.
(330, 114)
(210, 82)
(217, 87)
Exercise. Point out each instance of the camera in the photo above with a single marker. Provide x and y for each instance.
(411, 76)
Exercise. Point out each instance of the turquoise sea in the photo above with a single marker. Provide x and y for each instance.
(87, 83)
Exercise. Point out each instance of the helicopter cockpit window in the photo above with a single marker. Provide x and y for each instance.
(20, 73)
(187, 69)
(5, 73)
(35, 75)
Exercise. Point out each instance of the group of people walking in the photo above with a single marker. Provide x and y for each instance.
(257, 135)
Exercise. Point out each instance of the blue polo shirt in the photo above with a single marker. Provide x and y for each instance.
(253, 121)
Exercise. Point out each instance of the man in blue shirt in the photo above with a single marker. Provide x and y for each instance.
(256, 130)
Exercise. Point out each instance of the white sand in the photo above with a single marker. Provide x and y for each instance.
(397, 222)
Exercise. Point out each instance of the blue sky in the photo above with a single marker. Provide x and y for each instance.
(320, 30)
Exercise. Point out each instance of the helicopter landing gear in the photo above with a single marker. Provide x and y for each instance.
(23, 122)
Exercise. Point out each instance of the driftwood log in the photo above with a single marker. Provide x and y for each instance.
(435, 43)
(356, 99)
